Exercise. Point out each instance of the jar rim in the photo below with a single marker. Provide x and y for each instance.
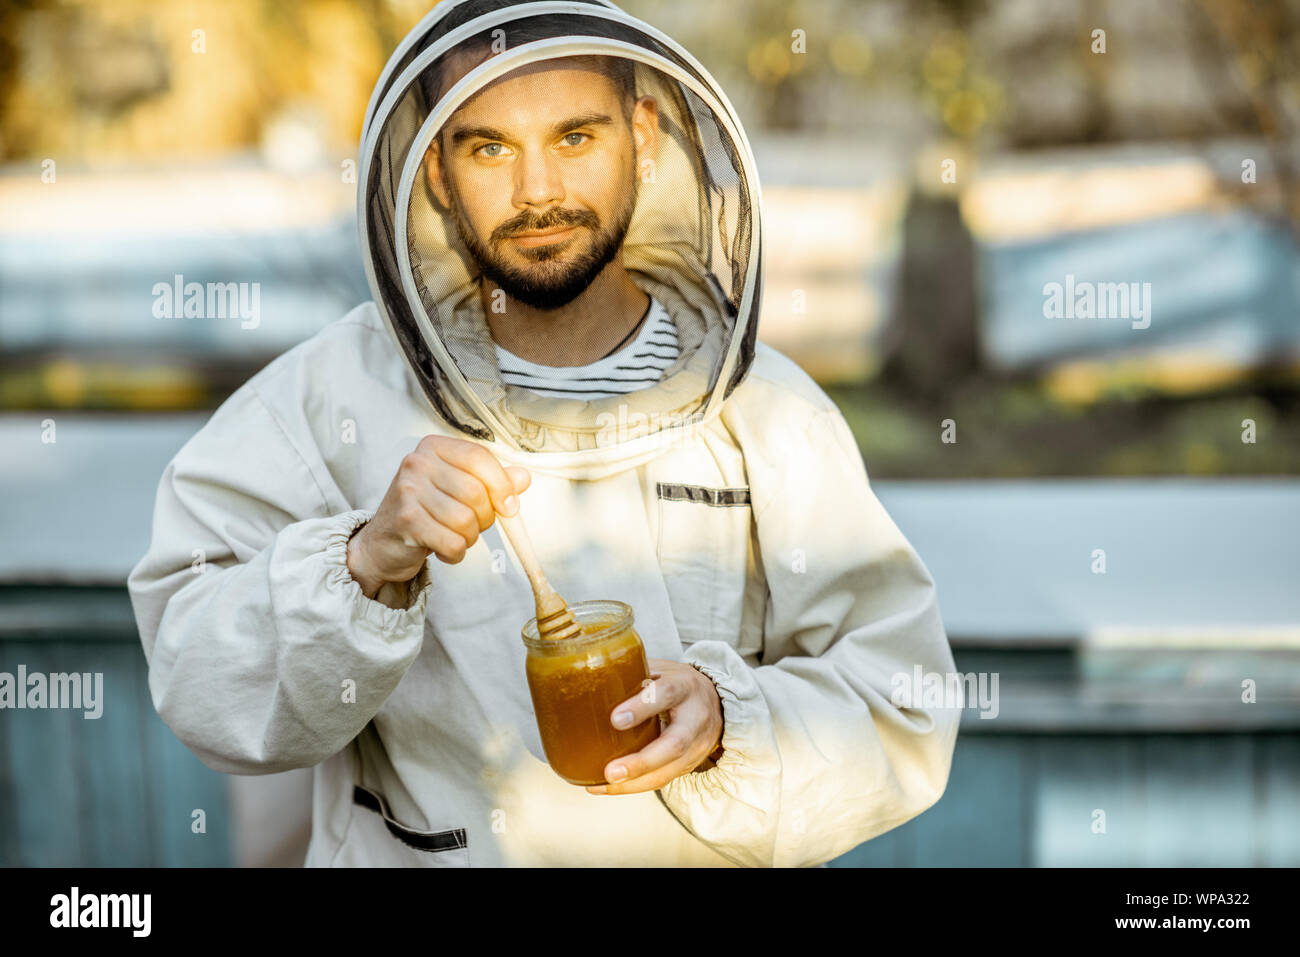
(581, 610)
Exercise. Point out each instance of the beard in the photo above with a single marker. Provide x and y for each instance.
(551, 282)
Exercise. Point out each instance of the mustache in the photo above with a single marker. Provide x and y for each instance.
(526, 222)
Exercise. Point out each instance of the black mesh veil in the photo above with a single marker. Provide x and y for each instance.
(692, 240)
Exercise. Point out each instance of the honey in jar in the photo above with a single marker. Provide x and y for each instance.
(576, 684)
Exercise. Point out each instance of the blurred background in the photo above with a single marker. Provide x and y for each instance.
(1109, 503)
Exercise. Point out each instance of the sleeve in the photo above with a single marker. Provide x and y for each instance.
(817, 756)
(264, 654)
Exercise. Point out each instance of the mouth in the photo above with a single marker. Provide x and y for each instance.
(544, 237)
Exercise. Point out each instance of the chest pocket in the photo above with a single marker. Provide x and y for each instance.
(706, 554)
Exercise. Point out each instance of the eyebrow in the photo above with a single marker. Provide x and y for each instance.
(563, 126)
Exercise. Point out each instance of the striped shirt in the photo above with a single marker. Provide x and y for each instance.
(638, 365)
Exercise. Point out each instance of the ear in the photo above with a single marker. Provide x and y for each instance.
(645, 129)
(433, 173)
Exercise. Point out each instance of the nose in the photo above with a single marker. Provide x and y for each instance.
(537, 180)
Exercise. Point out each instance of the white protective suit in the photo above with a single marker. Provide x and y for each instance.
(728, 505)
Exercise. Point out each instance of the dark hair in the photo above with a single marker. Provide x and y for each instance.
(436, 79)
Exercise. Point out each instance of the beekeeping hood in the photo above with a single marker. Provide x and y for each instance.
(692, 243)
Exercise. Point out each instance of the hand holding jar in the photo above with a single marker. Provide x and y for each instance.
(598, 703)
(693, 736)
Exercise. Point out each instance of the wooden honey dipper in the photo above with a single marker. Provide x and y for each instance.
(554, 620)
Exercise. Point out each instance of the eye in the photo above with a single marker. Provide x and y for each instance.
(493, 150)
(569, 136)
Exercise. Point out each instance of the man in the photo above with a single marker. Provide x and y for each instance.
(572, 204)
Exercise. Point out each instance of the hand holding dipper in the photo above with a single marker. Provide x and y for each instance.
(444, 494)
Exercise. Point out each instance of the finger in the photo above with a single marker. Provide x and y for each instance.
(448, 545)
(466, 489)
(521, 477)
(647, 782)
(651, 780)
(674, 747)
(453, 514)
(656, 696)
(483, 465)
(422, 530)
(663, 666)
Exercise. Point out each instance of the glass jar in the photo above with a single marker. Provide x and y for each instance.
(576, 683)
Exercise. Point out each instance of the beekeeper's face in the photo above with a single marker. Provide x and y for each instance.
(539, 171)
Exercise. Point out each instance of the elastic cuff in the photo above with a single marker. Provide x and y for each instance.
(734, 806)
(384, 617)
(716, 754)
(744, 710)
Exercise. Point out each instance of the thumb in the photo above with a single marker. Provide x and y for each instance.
(520, 477)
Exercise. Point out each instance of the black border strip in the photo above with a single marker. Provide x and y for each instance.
(719, 497)
(420, 840)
